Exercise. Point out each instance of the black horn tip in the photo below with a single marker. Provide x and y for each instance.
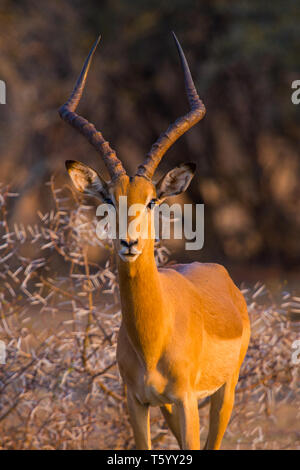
(176, 41)
(98, 40)
(91, 53)
(181, 53)
(174, 35)
(94, 46)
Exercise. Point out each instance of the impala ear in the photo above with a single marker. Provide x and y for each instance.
(175, 181)
(86, 180)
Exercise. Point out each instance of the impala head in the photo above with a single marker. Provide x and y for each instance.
(139, 189)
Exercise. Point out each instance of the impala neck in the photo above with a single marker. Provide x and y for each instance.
(144, 315)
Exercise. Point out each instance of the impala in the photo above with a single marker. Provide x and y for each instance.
(185, 328)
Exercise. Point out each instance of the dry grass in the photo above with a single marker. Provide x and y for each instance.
(60, 387)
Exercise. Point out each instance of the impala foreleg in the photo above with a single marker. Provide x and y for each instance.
(170, 413)
(140, 421)
(220, 411)
(189, 422)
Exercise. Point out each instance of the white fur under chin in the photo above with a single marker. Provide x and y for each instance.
(128, 259)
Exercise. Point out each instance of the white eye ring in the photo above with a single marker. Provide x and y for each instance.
(152, 204)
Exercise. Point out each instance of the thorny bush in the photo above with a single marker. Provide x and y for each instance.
(60, 314)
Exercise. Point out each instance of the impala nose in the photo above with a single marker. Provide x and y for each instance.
(128, 244)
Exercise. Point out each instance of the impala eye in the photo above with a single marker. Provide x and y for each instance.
(107, 200)
(152, 204)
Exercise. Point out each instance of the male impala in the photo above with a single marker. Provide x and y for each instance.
(185, 328)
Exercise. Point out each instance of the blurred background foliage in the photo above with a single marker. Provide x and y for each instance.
(243, 55)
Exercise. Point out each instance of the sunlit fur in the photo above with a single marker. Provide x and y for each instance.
(183, 337)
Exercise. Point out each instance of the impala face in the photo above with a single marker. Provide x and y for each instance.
(133, 199)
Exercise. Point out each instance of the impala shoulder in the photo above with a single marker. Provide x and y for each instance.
(171, 273)
(218, 268)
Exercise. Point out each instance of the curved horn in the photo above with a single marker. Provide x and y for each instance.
(67, 112)
(179, 127)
